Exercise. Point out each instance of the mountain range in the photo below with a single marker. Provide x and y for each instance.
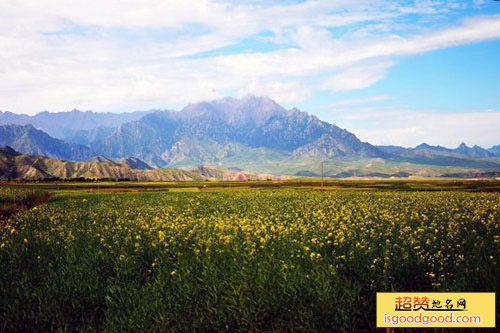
(250, 133)
(29, 140)
(17, 166)
(62, 125)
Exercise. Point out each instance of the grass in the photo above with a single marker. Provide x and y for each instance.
(436, 184)
(167, 258)
(13, 200)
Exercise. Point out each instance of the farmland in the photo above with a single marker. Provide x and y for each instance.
(258, 256)
(13, 200)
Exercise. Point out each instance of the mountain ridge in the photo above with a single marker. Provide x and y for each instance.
(425, 149)
(248, 133)
(14, 165)
(62, 125)
(251, 122)
(28, 139)
(17, 166)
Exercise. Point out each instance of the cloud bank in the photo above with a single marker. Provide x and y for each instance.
(125, 55)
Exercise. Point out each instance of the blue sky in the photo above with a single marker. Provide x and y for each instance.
(392, 72)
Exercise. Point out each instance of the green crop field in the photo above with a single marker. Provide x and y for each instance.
(13, 200)
(278, 259)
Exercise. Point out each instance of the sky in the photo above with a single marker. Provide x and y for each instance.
(392, 72)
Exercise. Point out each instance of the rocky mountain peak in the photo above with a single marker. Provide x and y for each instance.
(423, 145)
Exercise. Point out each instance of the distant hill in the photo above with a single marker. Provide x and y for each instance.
(425, 149)
(215, 172)
(133, 162)
(14, 165)
(86, 137)
(473, 174)
(63, 125)
(495, 150)
(462, 156)
(27, 139)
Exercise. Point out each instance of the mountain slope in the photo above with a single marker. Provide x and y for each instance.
(133, 162)
(65, 124)
(424, 149)
(86, 137)
(250, 133)
(462, 156)
(210, 132)
(495, 150)
(14, 165)
(29, 140)
(474, 151)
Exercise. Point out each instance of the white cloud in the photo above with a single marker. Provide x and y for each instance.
(116, 55)
(356, 77)
(401, 126)
(285, 92)
(363, 100)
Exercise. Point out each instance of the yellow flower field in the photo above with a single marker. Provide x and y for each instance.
(281, 259)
